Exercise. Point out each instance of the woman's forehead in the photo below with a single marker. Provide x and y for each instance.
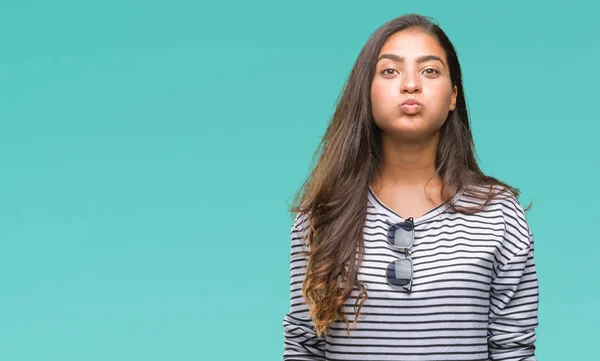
(411, 44)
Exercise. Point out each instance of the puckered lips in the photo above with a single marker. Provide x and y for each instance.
(410, 106)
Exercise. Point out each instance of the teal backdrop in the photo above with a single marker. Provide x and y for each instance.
(150, 150)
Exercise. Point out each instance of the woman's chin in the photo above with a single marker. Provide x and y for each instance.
(409, 128)
(407, 124)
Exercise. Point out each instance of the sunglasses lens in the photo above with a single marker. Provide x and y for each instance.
(399, 272)
(401, 235)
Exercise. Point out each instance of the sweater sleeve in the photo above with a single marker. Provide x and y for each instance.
(300, 339)
(513, 314)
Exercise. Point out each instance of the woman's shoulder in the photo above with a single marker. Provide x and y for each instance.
(507, 207)
(501, 200)
(495, 194)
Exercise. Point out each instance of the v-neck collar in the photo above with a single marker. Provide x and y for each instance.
(396, 217)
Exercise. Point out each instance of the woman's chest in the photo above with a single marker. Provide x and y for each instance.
(444, 260)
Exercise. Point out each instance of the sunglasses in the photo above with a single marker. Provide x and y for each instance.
(401, 237)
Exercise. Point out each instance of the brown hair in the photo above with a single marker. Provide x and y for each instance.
(334, 195)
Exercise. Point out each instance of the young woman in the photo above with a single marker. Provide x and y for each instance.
(401, 248)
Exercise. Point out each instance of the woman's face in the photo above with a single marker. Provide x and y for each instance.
(411, 65)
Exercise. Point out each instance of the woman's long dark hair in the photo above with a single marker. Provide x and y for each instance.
(334, 195)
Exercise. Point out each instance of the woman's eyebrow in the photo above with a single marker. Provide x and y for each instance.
(420, 59)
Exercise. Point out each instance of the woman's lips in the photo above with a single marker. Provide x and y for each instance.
(410, 108)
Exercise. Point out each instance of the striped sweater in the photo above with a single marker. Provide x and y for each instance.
(474, 293)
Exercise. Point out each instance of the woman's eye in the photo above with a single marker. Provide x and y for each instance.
(433, 71)
(386, 71)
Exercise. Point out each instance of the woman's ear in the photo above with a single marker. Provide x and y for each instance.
(453, 98)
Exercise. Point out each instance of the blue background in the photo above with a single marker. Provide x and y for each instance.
(150, 150)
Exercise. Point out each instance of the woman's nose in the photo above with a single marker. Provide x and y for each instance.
(410, 83)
